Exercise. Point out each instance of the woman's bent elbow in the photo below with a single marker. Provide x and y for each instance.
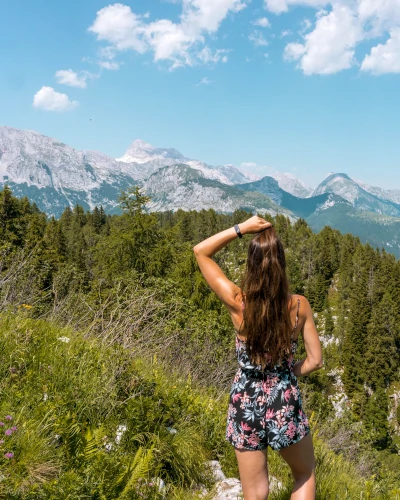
(319, 364)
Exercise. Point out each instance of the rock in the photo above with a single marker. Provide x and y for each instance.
(160, 483)
(231, 488)
(228, 489)
(217, 473)
(274, 484)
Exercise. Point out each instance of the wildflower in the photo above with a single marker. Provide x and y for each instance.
(64, 339)
(8, 432)
(1, 424)
(1, 441)
(8, 417)
(120, 432)
(45, 396)
(14, 428)
(9, 454)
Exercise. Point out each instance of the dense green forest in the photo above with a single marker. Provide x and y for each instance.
(106, 321)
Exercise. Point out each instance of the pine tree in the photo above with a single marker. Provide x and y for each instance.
(10, 226)
(354, 345)
(382, 355)
(329, 324)
(375, 418)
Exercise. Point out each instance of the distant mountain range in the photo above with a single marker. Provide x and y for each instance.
(54, 175)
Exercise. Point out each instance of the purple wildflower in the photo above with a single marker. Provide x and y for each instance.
(1, 424)
(1, 441)
(14, 428)
(8, 417)
(8, 432)
(9, 454)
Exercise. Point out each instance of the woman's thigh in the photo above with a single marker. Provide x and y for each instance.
(300, 456)
(253, 470)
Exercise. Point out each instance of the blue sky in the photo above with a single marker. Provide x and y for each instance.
(303, 86)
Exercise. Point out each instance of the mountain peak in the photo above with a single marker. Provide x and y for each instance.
(291, 184)
(140, 144)
(337, 175)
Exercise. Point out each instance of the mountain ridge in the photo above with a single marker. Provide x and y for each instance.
(55, 175)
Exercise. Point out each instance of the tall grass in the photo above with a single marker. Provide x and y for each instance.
(99, 420)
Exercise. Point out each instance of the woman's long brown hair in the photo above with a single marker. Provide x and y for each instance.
(266, 317)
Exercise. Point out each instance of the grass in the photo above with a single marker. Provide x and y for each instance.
(94, 421)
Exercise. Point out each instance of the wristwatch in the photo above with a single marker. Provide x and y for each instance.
(236, 226)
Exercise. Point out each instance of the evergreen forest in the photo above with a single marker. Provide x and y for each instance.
(116, 358)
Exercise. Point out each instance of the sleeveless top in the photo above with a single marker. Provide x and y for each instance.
(286, 365)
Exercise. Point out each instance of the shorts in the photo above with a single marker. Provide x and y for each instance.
(265, 409)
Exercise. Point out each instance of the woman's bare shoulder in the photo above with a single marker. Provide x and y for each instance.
(297, 297)
(301, 302)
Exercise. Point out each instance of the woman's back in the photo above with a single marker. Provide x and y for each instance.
(288, 362)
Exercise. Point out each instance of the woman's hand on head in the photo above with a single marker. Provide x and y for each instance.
(253, 225)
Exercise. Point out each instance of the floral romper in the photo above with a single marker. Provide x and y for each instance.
(265, 407)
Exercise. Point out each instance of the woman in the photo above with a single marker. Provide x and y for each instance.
(265, 403)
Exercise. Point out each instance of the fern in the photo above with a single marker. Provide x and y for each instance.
(138, 468)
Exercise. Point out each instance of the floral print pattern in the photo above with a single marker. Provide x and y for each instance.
(265, 407)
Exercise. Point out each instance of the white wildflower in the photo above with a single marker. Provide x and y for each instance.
(121, 429)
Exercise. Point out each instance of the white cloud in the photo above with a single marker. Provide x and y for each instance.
(285, 33)
(258, 39)
(384, 58)
(306, 24)
(69, 77)
(248, 164)
(330, 47)
(50, 100)
(379, 15)
(294, 51)
(119, 26)
(110, 65)
(262, 22)
(279, 6)
(204, 81)
(207, 56)
(124, 30)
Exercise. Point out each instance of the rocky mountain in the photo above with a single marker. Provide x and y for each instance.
(150, 159)
(301, 207)
(54, 175)
(326, 207)
(354, 193)
(291, 184)
(181, 186)
(392, 195)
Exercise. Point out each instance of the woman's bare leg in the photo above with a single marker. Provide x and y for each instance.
(253, 470)
(301, 460)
